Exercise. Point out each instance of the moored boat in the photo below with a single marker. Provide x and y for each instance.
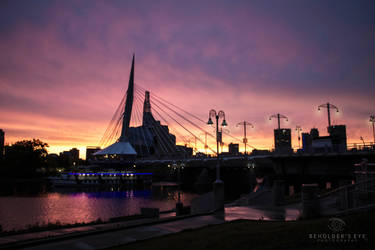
(103, 178)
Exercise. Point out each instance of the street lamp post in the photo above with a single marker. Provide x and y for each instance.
(372, 119)
(218, 186)
(328, 106)
(363, 141)
(245, 123)
(278, 117)
(217, 116)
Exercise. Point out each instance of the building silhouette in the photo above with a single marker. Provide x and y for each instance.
(338, 137)
(2, 142)
(90, 150)
(70, 157)
(314, 132)
(335, 142)
(150, 139)
(233, 148)
(283, 140)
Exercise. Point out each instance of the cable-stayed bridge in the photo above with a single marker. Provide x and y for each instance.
(146, 127)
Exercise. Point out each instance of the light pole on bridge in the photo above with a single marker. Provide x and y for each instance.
(244, 124)
(217, 116)
(278, 117)
(218, 185)
(328, 106)
(372, 120)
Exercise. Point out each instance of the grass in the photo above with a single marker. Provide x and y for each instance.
(58, 225)
(263, 235)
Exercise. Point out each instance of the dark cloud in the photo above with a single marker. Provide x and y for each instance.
(70, 59)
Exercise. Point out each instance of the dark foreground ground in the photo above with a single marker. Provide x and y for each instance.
(358, 233)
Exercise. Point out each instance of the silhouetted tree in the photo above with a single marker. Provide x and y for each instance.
(23, 158)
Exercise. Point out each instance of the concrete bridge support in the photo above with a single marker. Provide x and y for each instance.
(310, 202)
(345, 201)
(218, 188)
(278, 192)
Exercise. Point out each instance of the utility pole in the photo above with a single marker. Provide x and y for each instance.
(299, 129)
(278, 117)
(205, 142)
(244, 124)
(195, 144)
(372, 119)
(328, 106)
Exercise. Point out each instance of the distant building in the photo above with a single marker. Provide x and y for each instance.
(53, 161)
(306, 142)
(335, 142)
(185, 150)
(200, 155)
(233, 148)
(90, 150)
(260, 152)
(70, 157)
(2, 142)
(283, 140)
(338, 136)
(322, 144)
(75, 154)
(314, 132)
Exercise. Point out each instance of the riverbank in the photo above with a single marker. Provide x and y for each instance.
(75, 206)
(57, 225)
(303, 234)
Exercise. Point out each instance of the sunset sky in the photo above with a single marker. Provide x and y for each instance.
(64, 65)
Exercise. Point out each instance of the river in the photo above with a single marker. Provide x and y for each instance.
(71, 206)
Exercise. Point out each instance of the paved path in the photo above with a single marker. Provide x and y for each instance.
(120, 237)
(119, 233)
(60, 233)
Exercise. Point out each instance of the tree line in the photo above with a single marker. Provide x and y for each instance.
(28, 159)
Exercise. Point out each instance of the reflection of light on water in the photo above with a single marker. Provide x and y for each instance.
(249, 213)
(68, 209)
(18, 212)
(53, 196)
(130, 194)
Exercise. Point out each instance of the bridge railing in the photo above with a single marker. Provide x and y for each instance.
(367, 146)
(353, 195)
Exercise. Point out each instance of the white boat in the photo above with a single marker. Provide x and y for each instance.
(108, 178)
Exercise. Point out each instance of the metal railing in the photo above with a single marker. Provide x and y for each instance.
(354, 195)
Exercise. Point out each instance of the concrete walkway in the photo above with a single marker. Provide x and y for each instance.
(35, 237)
(124, 236)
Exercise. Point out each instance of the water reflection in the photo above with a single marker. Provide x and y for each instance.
(250, 213)
(73, 206)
